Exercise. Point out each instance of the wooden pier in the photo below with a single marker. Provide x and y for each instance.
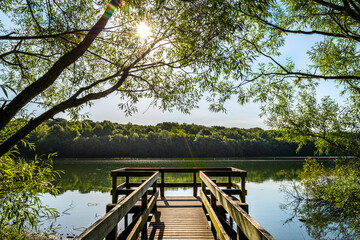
(179, 218)
(219, 211)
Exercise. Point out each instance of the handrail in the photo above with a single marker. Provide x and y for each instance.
(176, 169)
(212, 214)
(143, 219)
(109, 221)
(231, 199)
(225, 171)
(248, 226)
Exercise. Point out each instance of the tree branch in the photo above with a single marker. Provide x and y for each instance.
(343, 9)
(33, 16)
(321, 136)
(91, 52)
(356, 88)
(70, 103)
(73, 101)
(357, 9)
(300, 74)
(357, 38)
(152, 87)
(9, 37)
(7, 53)
(59, 66)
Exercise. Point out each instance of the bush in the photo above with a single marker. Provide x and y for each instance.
(339, 185)
(327, 199)
(21, 185)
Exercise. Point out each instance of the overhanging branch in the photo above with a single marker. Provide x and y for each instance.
(54, 72)
(74, 101)
(301, 74)
(70, 103)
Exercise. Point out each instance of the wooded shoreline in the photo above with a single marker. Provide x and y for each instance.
(112, 140)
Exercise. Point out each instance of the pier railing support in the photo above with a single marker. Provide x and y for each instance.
(213, 205)
(194, 186)
(247, 227)
(106, 227)
(162, 188)
(218, 203)
(144, 202)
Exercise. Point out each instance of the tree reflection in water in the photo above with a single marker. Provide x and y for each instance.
(87, 175)
(321, 220)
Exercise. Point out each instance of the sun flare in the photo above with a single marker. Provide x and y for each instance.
(143, 30)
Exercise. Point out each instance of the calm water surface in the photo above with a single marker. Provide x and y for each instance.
(86, 183)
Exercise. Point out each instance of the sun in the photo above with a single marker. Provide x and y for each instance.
(143, 30)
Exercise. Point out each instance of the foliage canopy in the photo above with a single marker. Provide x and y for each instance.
(289, 93)
(60, 55)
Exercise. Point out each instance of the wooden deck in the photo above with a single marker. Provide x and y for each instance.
(179, 218)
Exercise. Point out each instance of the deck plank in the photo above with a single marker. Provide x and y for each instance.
(179, 218)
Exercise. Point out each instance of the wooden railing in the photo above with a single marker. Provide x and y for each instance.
(223, 206)
(118, 190)
(247, 227)
(107, 225)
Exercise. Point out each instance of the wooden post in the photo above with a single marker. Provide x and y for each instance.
(126, 221)
(154, 192)
(239, 234)
(113, 234)
(243, 191)
(127, 181)
(229, 183)
(144, 203)
(194, 182)
(114, 189)
(203, 187)
(213, 206)
(127, 186)
(162, 192)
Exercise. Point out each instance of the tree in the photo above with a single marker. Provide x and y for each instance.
(21, 185)
(60, 55)
(339, 187)
(289, 95)
(56, 56)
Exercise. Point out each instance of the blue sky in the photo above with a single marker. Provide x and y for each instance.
(246, 116)
(237, 116)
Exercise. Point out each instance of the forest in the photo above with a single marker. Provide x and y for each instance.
(89, 139)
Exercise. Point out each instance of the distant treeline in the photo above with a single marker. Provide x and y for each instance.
(112, 140)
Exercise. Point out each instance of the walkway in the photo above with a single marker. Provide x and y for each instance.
(179, 218)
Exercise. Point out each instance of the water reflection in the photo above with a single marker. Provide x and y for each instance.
(321, 220)
(94, 175)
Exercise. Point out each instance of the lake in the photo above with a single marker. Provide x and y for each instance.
(85, 191)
